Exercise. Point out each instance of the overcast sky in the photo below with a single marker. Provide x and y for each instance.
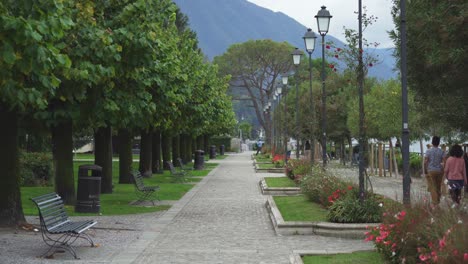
(343, 14)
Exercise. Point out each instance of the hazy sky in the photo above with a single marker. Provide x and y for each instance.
(343, 15)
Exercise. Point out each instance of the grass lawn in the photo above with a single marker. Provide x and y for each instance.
(266, 166)
(298, 208)
(117, 203)
(361, 257)
(279, 182)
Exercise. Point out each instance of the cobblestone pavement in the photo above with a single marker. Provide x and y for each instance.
(223, 219)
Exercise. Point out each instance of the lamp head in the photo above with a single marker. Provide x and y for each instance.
(296, 54)
(309, 40)
(323, 20)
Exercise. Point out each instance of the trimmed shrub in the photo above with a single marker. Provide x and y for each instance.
(36, 169)
(297, 169)
(320, 185)
(348, 209)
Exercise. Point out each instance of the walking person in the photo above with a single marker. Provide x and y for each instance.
(259, 146)
(433, 160)
(455, 172)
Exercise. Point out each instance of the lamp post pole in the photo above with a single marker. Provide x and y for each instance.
(285, 83)
(297, 54)
(323, 21)
(404, 99)
(309, 41)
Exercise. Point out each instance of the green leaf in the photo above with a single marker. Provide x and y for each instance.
(8, 53)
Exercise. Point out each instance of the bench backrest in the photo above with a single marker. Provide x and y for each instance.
(181, 163)
(51, 210)
(138, 180)
(171, 167)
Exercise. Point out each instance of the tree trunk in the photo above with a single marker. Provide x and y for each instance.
(156, 163)
(166, 149)
(11, 211)
(175, 149)
(390, 158)
(62, 142)
(200, 144)
(194, 144)
(206, 144)
(103, 156)
(422, 155)
(395, 164)
(182, 147)
(146, 147)
(189, 148)
(125, 156)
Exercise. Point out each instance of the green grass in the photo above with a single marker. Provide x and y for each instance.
(91, 156)
(117, 203)
(262, 159)
(266, 166)
(361, 257)
(298, 208)
(279, 182)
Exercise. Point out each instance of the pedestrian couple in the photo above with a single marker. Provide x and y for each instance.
(452, 168)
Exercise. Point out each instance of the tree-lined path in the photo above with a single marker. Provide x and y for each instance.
(224, 220)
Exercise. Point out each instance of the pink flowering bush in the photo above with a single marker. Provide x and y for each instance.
(296, 169)
(422, 234)
(320, 184)
(278, 161)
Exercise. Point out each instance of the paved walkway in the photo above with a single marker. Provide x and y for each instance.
(224, 220)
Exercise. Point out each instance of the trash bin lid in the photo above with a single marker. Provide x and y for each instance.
(92, 167)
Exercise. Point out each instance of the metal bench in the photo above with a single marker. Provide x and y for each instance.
(188, 170)
(58, 232)
(143, 192)
(178, 175)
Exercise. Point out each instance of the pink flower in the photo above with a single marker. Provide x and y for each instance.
(442, 243)
(465, 257)
(423, 257)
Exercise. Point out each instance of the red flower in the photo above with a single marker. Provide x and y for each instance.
(328, 46)
(331, 66)
(350, 187)
(338, 49)
(334, 70)
(336, 55)
(370, 64)
(465, 257)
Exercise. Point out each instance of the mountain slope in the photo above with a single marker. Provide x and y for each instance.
(221, 23)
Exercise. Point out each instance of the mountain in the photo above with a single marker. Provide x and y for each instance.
(221, 23)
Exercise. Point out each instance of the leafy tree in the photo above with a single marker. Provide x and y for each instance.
(30, 33)
(256, 67)
(437, 56)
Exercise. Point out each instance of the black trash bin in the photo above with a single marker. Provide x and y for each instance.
(89, 189)
(199, 161)
(221, 150)
(213, 152)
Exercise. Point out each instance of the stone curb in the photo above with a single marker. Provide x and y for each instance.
(270, 170)
(278, 190)
(287, 228)
(296, 256)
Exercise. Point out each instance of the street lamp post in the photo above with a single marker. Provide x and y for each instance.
(323, 21)
(285, 83)
(309, 41)
(278, 114)
(297, 54)
(404, 103)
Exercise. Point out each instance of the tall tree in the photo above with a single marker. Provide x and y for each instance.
(256, 67)
(30, 33)
(437, 55)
